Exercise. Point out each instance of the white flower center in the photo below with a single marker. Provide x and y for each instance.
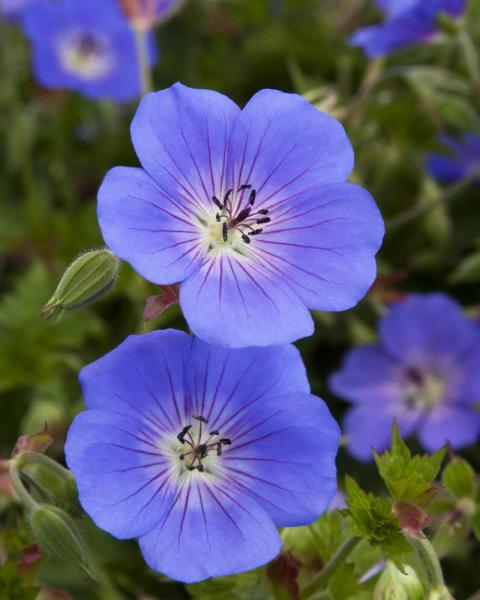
(85, 54)
(423, 391)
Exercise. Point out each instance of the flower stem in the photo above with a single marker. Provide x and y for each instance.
(42, 459)
(320, 580)
(432, 569)
(419, 209)
(471, 59)
(142, 59)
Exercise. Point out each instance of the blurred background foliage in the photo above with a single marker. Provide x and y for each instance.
(57, 146)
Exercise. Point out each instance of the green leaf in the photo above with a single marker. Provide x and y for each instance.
(248, 586)
(371, 517)
(344, 585)
(12, 585)
(406, 477)
(459, 478)
(468, 271)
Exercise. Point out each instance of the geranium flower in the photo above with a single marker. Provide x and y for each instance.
(84, 45)
(201, 452)
(423, 371)
(408, 22)
(460, 162)
(248, 209)
(13, 9)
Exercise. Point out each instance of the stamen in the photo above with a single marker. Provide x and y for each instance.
(253, 195)
(263, 220)
(219, 449)
(226, 441)
(245, 238)
(200, 418)
(214, 432)
(226, 198)
(217, 217)
(225, 232)
(183, 433)
(242, 215)
(263, 211)
(244, 186)
(256, 231)
(217, 202)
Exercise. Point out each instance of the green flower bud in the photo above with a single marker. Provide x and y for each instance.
(58, 536)
(90, 277)
(459, 478)
(395, 585)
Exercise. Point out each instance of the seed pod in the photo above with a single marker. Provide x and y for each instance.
(90, 277)
(58, 536)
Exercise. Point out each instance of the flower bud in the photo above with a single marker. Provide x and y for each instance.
(144, 14)
(90, 277)
(58, 536)
(395, 585)
(447, 24)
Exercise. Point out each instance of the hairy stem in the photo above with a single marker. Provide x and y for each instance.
(142, 59)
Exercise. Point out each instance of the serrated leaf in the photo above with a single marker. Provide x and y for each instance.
(371, 517)
(406, 477)
(459, 478)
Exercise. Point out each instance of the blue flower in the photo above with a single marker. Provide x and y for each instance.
(462, 160)
(248, 209)
(84, 45)
(201, 452)
(13, 9)
(408, 22)
(424, 371)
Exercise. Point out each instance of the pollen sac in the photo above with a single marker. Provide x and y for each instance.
(90, 277)
(58, 536)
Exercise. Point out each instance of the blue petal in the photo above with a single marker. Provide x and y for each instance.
(235, 302)
(283, 456)
(446, 169)
(459, 426)
(283, 146)
(148, 227)
(121, 474)
(323, 245)
(368, 374)
(426, 326)
(209, 532)
(181, 138)
(142, 377)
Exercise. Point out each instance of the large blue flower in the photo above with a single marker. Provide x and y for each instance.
(248, 209)
(409, 22)
(13, 9)
(462, 160)
(201, 452)
(424, 372)
(84, 45)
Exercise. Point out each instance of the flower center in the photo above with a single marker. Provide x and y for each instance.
(85, 54)
(423, 390)
(237, 219)
(196, 445)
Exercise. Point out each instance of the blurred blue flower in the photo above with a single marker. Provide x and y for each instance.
(248, 209)
(13, 9)
(84, 45)
(424, 371)
(201, 452)
(462, 160)
(408, 22)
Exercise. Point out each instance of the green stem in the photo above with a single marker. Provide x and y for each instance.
(471, 59)
(321, 579)
(419, 209)
(142, 58)
(431, 568)
(25, 498)
(26, 458)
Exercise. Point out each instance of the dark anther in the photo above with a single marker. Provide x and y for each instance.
(203, 449)
(225, 232)
(219, 449)
(191, 468)
(226, 441)
(255, 231)
(182, 457)
(217, 216)
(217, 202)
(253, 195)
(245, 238)
(263, 211)
(245, 186)
(200, 468)
(183, 433)
(200, 418)
(214, 432)
(263, 220)
(243, 214)
(226, 198)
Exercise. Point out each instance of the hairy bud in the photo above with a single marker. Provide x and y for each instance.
(395, 585)
(90, 277)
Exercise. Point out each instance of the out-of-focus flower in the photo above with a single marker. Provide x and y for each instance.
(408, 22)
(84, 45)
(460, 162)
(147, 13)
(248, 209)
(201, 452)
(13, 9)
(423, 372)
